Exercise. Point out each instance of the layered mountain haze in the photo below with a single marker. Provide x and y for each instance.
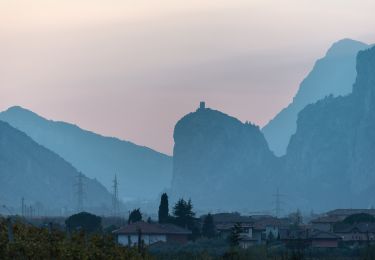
(220, 162)
(327, 136)
(334, 74)
(142, 172)
(333, 149)
(45, 180)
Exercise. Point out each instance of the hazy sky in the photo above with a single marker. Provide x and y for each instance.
(131, 69)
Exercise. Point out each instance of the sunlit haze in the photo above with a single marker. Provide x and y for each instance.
(132, 69)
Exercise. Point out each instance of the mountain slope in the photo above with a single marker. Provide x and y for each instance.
(142, 172)
(333, 74)
(29, 170)
(220, 162)
(332, 152)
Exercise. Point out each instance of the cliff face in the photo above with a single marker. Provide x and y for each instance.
(332, 153)
(29, 170)
(334, 74)
(221, 163)
(142, 173)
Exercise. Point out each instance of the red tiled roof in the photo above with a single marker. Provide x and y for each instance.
(152, 228)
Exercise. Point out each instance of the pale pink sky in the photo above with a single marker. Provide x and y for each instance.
(131, 69)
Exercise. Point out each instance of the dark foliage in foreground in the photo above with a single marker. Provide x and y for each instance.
(84, 221)
(31, 242)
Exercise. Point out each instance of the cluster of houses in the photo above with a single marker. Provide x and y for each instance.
(323, 231)
(151, 233)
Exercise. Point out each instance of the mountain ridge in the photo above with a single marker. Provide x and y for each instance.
(332, 149)
(332, 74)
(96, 155)
(31, 171)
(215, 153)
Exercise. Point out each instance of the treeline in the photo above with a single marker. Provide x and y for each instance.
(182, 216)
(20, 240)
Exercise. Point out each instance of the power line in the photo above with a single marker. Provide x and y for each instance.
(80, 192)
(23, 206)
(115, 200)
(278, 203)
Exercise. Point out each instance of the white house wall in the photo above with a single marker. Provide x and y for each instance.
(148, 239)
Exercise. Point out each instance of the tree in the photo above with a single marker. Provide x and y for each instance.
(235, 235)
(84, 221)
(163, 209)
(296, 218)
(135, 216)
(270, 237)
(208, 228)
(359, 218)
(183, 213)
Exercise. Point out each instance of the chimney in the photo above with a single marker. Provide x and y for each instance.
(202, 105)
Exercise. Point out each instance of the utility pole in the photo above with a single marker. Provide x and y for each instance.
(115, 200)
(278, 203)
(79, 192)
(23, 206)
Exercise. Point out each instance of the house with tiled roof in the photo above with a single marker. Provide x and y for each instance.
(224, 222)
(302, 237)
(357, 233)
(256, 229)
(325, 223)
(324, 239)
(150, 233)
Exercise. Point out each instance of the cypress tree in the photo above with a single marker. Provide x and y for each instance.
(163, 209)
(208, 228)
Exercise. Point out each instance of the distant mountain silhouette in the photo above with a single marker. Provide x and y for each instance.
(42, 178)
(220, 162)
(334, 75)
(330, 159)
(142, 173)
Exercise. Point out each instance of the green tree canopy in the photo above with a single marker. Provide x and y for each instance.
(183, 213)
(84, 221)
(208, 228)
(135, 216)
(235, 235)
(359, 218)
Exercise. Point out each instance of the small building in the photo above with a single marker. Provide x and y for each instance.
(324, 239)
(301, 238)
(295, 238)
(247, 241)
(269, 226)
(202, 105)
(357, 233)
(224, 223)
(325, 223)
(150, 233)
